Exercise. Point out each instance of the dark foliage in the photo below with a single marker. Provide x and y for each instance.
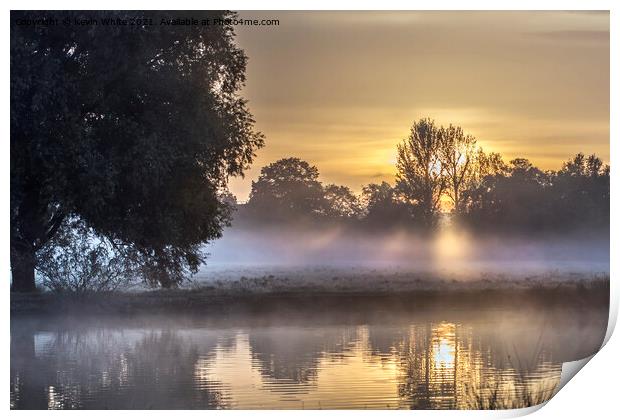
(287, 188)
(493, 197)
(385, 209)
(133, 129)
(526, 199)
(288, 191)
(341, 202)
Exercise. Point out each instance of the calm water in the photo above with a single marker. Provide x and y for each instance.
(365, 356)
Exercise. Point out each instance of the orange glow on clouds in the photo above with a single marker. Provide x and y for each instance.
(341, 89)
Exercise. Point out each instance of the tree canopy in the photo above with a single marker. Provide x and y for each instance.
(287, 187)
(133, 129)
(523, 198)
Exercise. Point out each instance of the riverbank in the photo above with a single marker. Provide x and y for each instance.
(251, 294)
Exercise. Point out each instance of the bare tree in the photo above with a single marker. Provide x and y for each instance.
(420, 177)
(79, 261)
(457, 154)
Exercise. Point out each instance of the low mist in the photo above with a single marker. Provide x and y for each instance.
(448, 251)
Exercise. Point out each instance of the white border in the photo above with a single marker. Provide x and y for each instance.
(593, 394)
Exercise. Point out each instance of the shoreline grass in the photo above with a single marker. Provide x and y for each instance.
(271, 291)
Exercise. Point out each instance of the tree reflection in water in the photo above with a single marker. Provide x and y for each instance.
(413, 359)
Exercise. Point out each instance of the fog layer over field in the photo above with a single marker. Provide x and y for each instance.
(449, 254)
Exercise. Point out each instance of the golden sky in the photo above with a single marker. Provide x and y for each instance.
(341, 89)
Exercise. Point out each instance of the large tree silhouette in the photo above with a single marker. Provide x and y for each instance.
(457, 154)
(285, 188)
(420, 176)
(131, 128)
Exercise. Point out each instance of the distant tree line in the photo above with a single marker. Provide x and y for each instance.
(440, 170)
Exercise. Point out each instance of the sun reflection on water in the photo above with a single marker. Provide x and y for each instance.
(434, 366)
(444, 346)
(419, 365)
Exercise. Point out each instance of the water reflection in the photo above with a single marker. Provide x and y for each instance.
(512, 359)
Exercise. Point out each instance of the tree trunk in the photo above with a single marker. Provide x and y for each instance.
(22, 269)
(457, 202)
